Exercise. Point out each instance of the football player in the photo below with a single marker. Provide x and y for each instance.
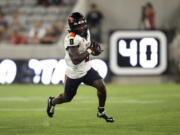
(78, 48)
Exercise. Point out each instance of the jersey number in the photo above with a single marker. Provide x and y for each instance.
(71, 41)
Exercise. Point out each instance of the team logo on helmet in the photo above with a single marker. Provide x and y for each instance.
(71, 19)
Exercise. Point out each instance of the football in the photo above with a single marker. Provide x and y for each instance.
(98, 50)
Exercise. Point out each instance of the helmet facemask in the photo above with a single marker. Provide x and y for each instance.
(78, 24)
(81, 29)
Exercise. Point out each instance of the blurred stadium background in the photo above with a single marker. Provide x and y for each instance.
(21, 16)
(143, 84)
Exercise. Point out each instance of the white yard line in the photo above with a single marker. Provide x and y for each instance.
(22, 98)
(83, 100)
(40, 109)
(21, 109)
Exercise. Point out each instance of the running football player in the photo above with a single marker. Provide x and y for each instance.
(78, 48)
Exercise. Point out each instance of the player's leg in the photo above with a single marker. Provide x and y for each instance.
(70, 90)
(101, 92)
(93, 79)
(52, 101)
(61, 98)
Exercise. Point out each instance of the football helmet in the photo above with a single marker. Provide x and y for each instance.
(78, 24)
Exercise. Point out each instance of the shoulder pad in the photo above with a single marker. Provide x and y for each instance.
(71, 35)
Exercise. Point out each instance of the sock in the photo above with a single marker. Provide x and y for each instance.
(101, 109)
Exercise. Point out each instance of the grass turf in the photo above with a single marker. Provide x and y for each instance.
(137, 109)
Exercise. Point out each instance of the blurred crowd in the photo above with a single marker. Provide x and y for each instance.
(15, 31)
(47, 3)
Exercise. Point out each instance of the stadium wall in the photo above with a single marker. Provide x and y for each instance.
(125, 14)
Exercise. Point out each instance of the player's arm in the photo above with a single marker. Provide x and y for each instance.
(76, 56)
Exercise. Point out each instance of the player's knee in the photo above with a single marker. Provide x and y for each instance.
(101, 87)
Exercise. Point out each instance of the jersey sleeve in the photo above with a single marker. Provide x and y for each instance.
(71, 40)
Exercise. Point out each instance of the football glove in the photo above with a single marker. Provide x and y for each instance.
(95, 49)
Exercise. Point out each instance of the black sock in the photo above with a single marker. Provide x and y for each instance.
(101, 109)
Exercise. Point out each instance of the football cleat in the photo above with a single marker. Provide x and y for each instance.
(105, 116)
(50, 107)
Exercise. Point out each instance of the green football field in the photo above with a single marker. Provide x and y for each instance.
(137, 110)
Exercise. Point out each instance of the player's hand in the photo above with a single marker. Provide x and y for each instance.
(95, 49)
